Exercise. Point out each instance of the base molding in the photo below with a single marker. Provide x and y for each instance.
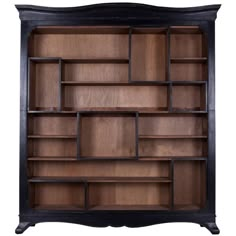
(117, 219)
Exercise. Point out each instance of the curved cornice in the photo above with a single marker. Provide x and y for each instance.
(116, 10)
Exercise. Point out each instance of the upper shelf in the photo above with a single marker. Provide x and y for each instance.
(117, 11)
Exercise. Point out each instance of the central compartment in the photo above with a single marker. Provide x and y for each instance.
(107, 135)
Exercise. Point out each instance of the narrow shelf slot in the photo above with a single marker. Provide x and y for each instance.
(172, 136)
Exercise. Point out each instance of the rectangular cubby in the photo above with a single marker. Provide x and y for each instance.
(189, 185)
(57, 196)
(149, 54)
(44, 84)
(129, 196)
(189, 97)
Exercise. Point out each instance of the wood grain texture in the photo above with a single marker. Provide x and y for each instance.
(98, 72)
(172, 147)
(84, 46)
(52, 147)
(57, 195)
(44, 86)
(76, 97)
(117, 194)
(173, 125)
(189, 184)
(107, 136)
(188, 71)
(187, 45)
(148, 57)
(52, 125)
(189, 97)
(112, 168)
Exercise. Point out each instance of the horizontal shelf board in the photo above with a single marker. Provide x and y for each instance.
(53, 136)
(187, 207)
(188, 60)
(52, 159)
(199, 82)
(169, 158)
(114, 83)
(96, 60)
(45, 59)
(185, 29)
(58, 207)
(83, 158)
(81, 30)
(172, 136)
(99, 179)
(130, 207)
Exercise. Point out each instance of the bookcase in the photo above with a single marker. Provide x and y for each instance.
(117, 115)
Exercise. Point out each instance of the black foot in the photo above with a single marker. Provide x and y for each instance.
(23, 226)
(212, 227)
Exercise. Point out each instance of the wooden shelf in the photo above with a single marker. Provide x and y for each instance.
(169, 158)
(52, 159)
(95, 61)
(100, 180)
(52, 136)
(188, 60)
(172, 136)
(186, 207)
(58, 207)
(130, 207)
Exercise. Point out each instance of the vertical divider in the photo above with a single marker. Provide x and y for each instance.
(86, 204)
(136, 134)
(59, 86)
(129, 47)
(78, 136)
(168, 61)
(172, 185)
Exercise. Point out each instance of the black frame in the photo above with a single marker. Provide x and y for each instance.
(118, 14)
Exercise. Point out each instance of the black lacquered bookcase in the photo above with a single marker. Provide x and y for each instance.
(117, 115)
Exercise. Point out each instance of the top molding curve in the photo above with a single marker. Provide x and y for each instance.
(117, 11)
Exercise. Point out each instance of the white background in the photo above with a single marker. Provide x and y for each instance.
(225, 123)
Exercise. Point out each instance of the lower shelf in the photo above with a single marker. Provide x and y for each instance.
(130, 207)
(187, 207)
(58, 207)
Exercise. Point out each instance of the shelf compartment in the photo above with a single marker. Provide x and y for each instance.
(97, 179)
(44, 84)
(187, 43)
(57, 196)
(171, 137)
(94, 71)
(51, 147)
(188, 71)
(52, 125)
(115, 97)
(149, 54)
(189, 97)
(107, 135)
(84, 43)
(171, 125)
(173, 147)
(131, 196)
(189, 185)
(100, 168)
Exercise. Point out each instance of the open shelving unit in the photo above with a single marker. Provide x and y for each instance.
(117, 124)
(141, 99)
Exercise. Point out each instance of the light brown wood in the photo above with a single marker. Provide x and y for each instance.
(52, 147)
(57, 195)
(187, 45)
(189, 184)
(52, 125)
(188, 71)
(76, 97)
(104, 136)
(172, 147)
(148, 57)
(81, 46)
(98, 72)
(173, 125)
(189, 97)
(44, 86)
(112, 168)
(132, 194)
